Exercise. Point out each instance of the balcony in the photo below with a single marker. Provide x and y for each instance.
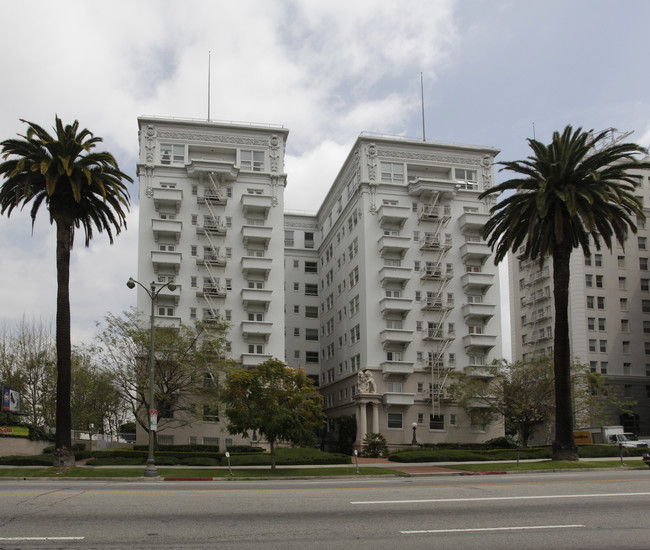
(475, 250)
(477, 281)
(437, 334)
(256, 265)
(480, 371)
(212, 291)
(479, 311)
(395, 305)
(214, 197)
(256, 329)
(396, 367)
(427, 186)
(256, 234)
(472, 221)
(394, 244)
(437, 213)
(479, 341)
(162, 259)
(399, 399)
(206, 167)
(212, 227)
(435, 274)
(391, 215)
(256, 297)
(394, 274)
(256, 204)
(254, 359)
(164, 198)
(434, 242)
(167, 229)
(393, 336)
(436, 304)
(214, 260)
(171, 295)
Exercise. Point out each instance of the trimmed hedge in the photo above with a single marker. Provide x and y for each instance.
(36, 460)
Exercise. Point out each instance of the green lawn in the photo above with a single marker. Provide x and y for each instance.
(192, 473)
(549, 465)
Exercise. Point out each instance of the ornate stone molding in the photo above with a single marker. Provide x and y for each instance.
(372, 162)
(146, 171)
(212, 138)
(430, 157)
(274, 153)
(149, 144)
(486, 169)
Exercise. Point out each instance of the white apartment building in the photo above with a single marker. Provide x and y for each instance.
(211, 219)
(609, 313)
(379, 296)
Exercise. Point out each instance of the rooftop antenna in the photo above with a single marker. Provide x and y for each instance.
(424, 135)
(534, 131)
(209, 55)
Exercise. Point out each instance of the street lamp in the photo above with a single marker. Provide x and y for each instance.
(150, 469)
(415, 441)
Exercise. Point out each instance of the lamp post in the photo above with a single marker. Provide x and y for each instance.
(150, 469)
(415, 441)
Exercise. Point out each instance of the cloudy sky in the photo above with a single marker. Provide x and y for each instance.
(495, 71)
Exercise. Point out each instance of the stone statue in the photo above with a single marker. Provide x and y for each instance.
(366, 382)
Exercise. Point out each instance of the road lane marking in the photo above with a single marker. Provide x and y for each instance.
(37, 539)
(483, 529)
(488, 499)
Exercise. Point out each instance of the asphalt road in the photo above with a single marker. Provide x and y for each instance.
(577, 510)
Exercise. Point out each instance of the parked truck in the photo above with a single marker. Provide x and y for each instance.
(615, 435)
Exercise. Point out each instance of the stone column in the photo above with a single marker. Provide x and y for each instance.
(362, 427)
(375, 418)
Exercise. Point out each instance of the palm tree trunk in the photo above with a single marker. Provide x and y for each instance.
(63, 456)
(564, 447)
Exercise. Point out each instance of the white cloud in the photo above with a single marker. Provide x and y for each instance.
(325, 70)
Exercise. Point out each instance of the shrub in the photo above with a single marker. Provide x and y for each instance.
(36, 460)
(199, 461)
(374, 446)
(115, 461)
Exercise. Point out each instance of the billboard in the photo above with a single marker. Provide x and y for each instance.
(10, 400)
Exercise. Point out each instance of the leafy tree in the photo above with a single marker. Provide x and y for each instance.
(523, 395)
(280, 403)
(567, 194)
(95, 398)
(188, 366)
(81, 188)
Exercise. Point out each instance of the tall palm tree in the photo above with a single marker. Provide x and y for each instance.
(570, 193)
(80, 188)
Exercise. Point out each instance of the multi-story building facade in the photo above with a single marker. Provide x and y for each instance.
(609, 313)
(211, 219)
(380, 295)
(407, 294)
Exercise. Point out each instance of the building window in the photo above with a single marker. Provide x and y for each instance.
(592, 345)
(311, 290)
(603, 367)
(355, 334)
(467, 178)
(252, 160)
(627, 347)
(589, 281)
(601, 302)
(642, 243)
(599, 281)
(436, 421)
(392, 172)
(601, 324)
(603, 346)
(172, 153)
(591, 323)
(311, 312)
(311, 357)
(395, 421)
(643, 264)
(627, 390)
(311, 334)
(288, 238)
(621, 262)
(590, 302)
(598, 260)
(622, 283)
(645, 284)
(623, 304)
(311, 267)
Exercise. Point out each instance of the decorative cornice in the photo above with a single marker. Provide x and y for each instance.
(212, 138)
(431, 157)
